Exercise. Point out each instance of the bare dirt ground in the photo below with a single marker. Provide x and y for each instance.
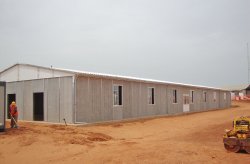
(194, 138)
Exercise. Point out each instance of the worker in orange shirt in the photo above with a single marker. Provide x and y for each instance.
(14, 114)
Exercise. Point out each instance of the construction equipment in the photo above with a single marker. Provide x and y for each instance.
(238, 138)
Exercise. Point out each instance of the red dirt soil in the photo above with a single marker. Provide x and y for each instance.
(193, 138)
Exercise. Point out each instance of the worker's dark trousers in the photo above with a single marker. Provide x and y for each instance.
(12, 122)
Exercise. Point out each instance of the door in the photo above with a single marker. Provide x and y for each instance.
(38, 106)
(186, 105)
(11, 97)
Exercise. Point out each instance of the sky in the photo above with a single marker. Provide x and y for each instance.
(186, 41)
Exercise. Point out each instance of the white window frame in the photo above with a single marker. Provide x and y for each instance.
(204, 96)
(152, 95)
(117, 85)
(175, 96)
(215, 96)
(191, 96)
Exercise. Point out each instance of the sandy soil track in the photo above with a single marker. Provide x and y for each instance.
(193, 138)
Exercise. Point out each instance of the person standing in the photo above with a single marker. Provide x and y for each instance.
(14, 114)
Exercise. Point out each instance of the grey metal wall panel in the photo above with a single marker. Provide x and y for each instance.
(143, 111)
(162, 100)
(53, 113)
(54, 103)
(38, 86)
(66, 99)
(127, 100)
(136, 94)
(46, 89)
(117, 113)
(83, 104)
(107, 100)
(2, 106)
(27, 101)
(95, 99)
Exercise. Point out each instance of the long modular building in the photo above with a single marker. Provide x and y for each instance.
(58, 95)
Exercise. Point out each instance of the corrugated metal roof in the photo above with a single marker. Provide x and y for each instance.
(118, 77)
(237, 87)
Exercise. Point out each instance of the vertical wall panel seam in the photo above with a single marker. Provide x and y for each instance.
(59, 97)
(88, 100)
(102, 113)
(47, 92)
(23, 99)
(43, 98)
(74, 78)
(140, 102)
(112, 96)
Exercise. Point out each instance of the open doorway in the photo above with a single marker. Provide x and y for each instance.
(11, 97)
(38, 105)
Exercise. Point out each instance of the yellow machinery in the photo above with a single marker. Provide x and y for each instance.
(238, 138)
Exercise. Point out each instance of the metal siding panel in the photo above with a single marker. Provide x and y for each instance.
(27, 73)
(10, 75)
(46, 89)
(107, 100)
(198, 100)
(117, 113)
(82, 100)
(95, 92)
(143, 111)
(162, 100)
(180, 98)
(2, 107)
(53, 100)
(20, 100)
(135, 99)
(38, 86)
(66, 100)
(27, 103)
(127, 97)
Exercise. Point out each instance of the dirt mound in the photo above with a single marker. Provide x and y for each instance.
(86, 138)
(98, 137)
(79, 140)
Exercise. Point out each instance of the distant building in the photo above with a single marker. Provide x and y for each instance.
(54, 95)
(239, 91)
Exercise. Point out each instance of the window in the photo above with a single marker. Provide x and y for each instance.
(205, 96)
(151, 94)
(192, 96)
(225, 96)
(174, 96)
(117, 94)
(215, 96)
